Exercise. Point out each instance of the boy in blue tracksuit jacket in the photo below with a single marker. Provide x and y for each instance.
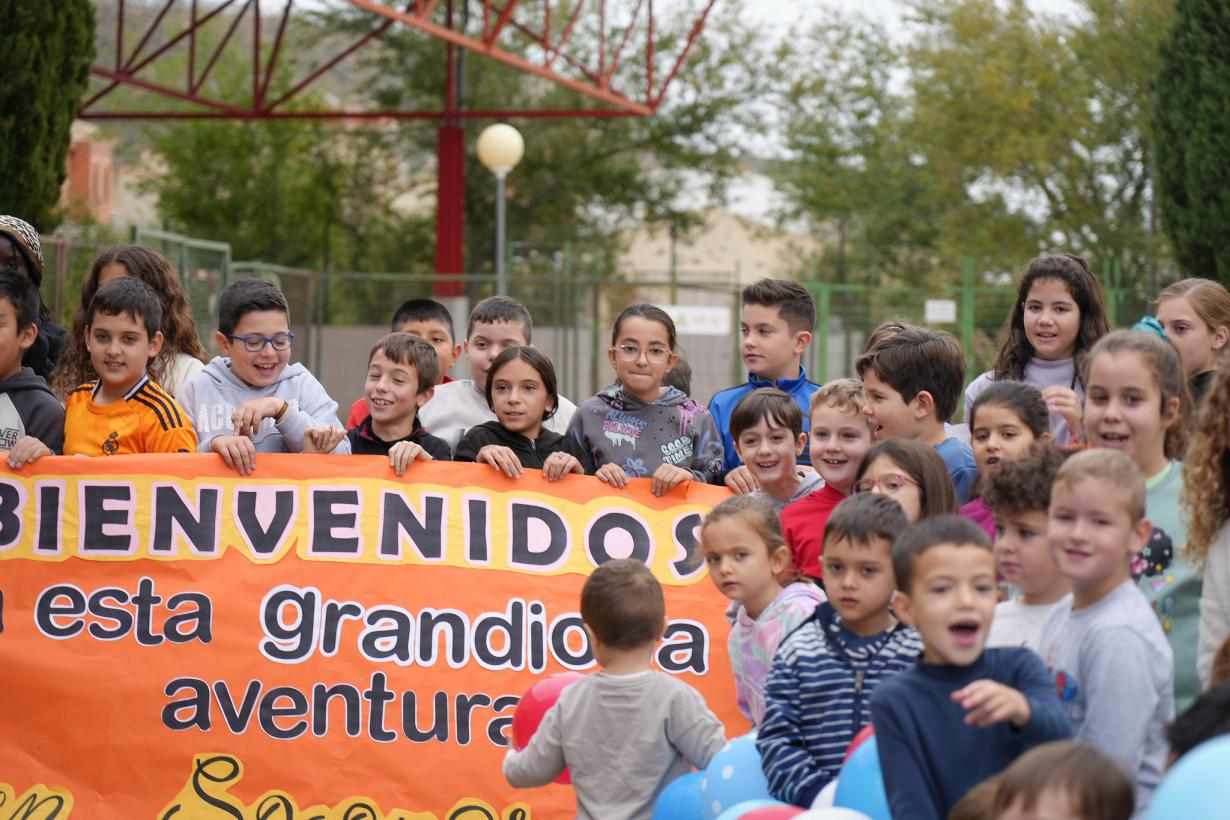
(818, 694)
(776, 324)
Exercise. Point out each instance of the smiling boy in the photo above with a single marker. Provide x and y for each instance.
(31, 420)
(251, 399)
(496, 324)
(840, 437)
(122, 411)
(962, 713)
(768, 431)
(1114, 668)
(776, 324)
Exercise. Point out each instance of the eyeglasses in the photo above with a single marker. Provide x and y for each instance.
(631, 353)
(890, 483)
(255, 342)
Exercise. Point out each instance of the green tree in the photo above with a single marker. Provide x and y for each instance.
(1192, 128)
(45, 67)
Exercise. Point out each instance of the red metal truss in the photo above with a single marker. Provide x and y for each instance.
(622, 67)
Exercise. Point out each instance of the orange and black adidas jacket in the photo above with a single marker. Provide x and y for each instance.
(146, 420)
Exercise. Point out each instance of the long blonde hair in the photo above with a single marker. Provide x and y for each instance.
(1206, 473)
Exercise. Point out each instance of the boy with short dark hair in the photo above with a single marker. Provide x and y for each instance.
(768, 431)
(251, 399)
(824, 672)
(913, 380)
(31, 420)
(429, 320)
(962, 713)
(840, 437)
(496, 324)
(1113, 666)
(122, 411)
(401, 372)
(776, 321)
(1019, 495)
(644, 725)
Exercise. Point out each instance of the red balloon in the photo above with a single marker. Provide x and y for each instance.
(773, 813)
(864, 733)
(533, 707)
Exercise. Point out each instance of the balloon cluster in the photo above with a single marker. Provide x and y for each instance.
(733, 787)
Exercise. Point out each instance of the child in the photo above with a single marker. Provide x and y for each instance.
(1005, 421)
(1019, 494)
(251, 399)
(521, 390)
(31, 420)
(182, 355)
(978, 803)
(638, 428)
(768, 431)
(913, 380)
(840, 438)
(123, 411)
(496, 324)
(629, 719)
(1137, 402)
(1195, 314)
(912, 474)
(401, 373)
(429, 320)
(747, 556)
(776, 323)
(1113, 667)
(1067, 780)
(825, 671)
(1058, 316)
(1206, 498)
(21, 251)
(963, 713)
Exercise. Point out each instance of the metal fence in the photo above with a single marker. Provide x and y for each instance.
(336, 316)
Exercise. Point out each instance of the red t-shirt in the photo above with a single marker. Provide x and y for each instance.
(803, 525)
(359, 411)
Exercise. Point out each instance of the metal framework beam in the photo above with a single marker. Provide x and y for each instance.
(619, 79)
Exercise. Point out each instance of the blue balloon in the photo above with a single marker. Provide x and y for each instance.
(860, 786)
(681, 800)
(740, 809)
(1197, 786)
(734, 776)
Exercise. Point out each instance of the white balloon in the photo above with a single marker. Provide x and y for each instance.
(826, 796)
(832, 813)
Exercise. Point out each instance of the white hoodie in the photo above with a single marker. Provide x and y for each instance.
(212, 395)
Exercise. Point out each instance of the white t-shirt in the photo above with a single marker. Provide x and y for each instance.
(1020, 624)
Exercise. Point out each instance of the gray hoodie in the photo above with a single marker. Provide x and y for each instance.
(213, 394)
(673, 429)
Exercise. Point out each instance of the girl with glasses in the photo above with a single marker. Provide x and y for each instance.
(912, 474)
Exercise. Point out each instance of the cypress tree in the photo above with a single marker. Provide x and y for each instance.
(47, 48)
(1192, 135)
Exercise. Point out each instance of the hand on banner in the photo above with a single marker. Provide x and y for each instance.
(501, 458)
(559, 465)
(404, 453)
(740, 481)
(27, 450)
(668, 477)
(322, 439)
(238, 452)
(611, 473)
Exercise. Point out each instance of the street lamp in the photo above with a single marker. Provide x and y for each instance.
(500, 148)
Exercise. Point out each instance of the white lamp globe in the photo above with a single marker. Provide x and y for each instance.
(500, 148)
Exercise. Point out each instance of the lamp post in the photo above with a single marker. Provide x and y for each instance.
(500, 148)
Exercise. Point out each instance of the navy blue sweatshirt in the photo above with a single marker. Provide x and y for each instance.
(929, 757)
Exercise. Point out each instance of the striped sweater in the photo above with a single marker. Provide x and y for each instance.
(817, 699)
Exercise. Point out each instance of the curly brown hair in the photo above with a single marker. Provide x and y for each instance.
(178, 328)
(1206, 472)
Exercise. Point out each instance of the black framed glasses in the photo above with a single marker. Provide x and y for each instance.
(255, 342)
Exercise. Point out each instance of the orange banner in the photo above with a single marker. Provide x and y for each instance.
(318, 640)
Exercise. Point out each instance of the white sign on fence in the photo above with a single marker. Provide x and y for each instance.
(940, 311)
(700, 320)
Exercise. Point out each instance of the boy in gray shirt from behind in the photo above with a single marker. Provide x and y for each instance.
(626, 732)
